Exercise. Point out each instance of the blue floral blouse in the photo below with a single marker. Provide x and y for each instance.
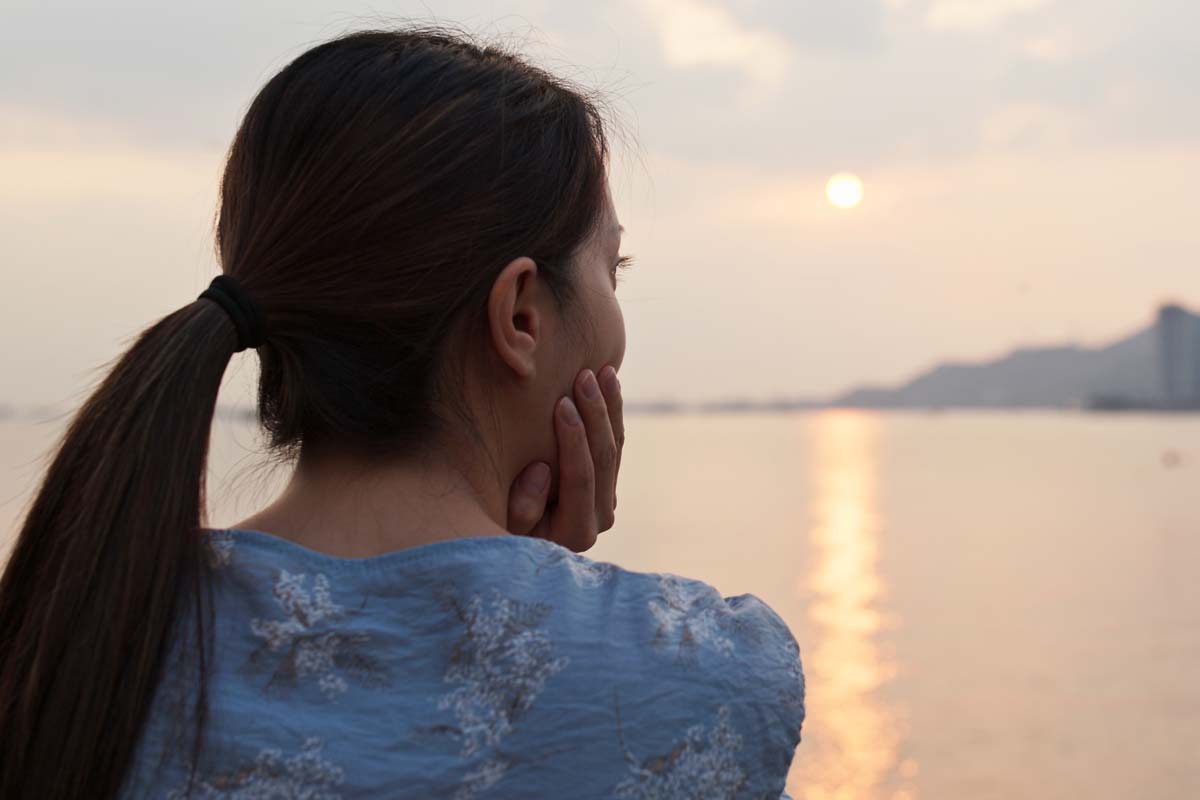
(484, 667)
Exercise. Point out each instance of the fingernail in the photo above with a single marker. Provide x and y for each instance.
(536, 479)
(570, 413)
(591, 389)
(614, 385)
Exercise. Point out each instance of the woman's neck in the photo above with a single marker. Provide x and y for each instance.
(335, 505)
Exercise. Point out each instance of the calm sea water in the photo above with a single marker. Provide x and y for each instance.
(989, 605)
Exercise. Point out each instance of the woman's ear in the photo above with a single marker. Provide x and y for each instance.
(514, 316)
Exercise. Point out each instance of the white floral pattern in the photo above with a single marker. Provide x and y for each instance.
(584, 571)
(500, 666)
(589, 573)
(311, 644)
(271, 776)
(704, 766)
(692, 613)
(220, 547)
(481, 778)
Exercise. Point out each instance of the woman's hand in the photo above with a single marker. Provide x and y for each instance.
(589, 458)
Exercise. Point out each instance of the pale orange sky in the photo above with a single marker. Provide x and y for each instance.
(1030, 170)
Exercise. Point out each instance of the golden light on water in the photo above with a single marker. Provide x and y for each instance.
(844, 190)
(851, 739)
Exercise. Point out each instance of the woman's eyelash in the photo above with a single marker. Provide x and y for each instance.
(623, 263)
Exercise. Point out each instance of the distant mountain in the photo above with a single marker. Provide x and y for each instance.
(1051, 377)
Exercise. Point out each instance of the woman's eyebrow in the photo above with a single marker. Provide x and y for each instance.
(617, 229)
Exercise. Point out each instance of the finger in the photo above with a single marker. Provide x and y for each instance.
(527, 498)
(616, 416)
(601, 444)
(574, 517)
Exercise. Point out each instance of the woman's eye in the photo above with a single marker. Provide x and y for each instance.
(623, 263)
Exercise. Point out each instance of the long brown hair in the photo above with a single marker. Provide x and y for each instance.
(374, 189)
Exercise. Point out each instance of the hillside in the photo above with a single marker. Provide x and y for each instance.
(1051, 377)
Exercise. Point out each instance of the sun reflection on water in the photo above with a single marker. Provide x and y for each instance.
(851, 738)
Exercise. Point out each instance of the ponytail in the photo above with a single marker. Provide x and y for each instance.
(109, 552)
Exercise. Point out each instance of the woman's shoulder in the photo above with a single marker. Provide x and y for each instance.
(663, 627)
(674, 602)
(649, 678)
(656, 612)
(723, 672)
(645, 621)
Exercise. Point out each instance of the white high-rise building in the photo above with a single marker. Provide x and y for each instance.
(1179, 356)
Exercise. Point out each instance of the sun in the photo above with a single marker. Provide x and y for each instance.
(844, 190)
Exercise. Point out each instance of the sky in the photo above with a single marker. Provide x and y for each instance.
(1030, 172)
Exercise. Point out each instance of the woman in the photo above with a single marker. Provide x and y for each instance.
(417, 235)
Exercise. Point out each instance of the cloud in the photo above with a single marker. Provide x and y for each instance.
(1029, 125)
(975, 15)
(1049, 49)
(52, 158)
(693, 33)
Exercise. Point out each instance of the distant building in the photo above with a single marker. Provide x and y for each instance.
(1179, 356)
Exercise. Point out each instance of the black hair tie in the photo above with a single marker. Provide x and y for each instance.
(247, 315)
